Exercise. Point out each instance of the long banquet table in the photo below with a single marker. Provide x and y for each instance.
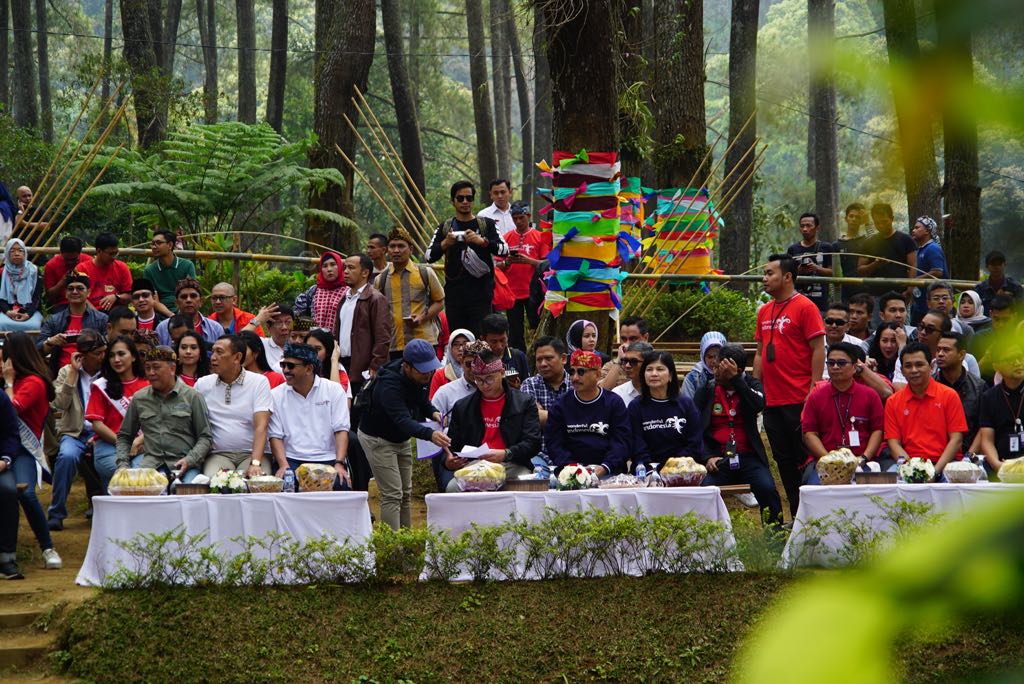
(342, 515)
(457, 513)
(818, 501)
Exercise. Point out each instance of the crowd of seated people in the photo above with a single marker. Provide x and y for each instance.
(142, 373)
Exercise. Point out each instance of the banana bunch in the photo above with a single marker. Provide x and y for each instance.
(480, 476)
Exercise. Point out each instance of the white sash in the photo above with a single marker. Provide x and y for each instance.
(120, 404)
(34, 447)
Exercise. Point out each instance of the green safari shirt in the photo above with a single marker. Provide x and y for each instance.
(175, 426)
(166, 279)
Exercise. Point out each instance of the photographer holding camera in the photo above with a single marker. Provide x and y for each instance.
(467, 243)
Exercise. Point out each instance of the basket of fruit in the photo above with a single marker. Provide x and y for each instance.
(837, 467)
(137, 482)
(683, 472)
(265, 484)
(316, 477)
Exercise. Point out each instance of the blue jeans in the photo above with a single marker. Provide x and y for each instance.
(25, 472)
(754, 472)
(8, 517)
(104, 459)
(69, 455)
(338, 486)
(8, 324)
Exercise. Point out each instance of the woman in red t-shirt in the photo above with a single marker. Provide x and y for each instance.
(256, 359)
(193, 361)
(122, 376)
(29, 386)
(330, 358)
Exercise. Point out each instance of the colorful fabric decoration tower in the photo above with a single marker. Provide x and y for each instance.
(631, 203)
(685, 225)
(589, 242)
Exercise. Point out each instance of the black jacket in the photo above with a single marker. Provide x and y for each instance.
(751, 394)
(520, 425)
(455, 274)
(397, 406)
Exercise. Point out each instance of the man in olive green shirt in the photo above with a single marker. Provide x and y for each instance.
(173, 418)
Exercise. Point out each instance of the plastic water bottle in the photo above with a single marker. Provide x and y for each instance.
(552, 480)
(899, 475)
(289, 481)
(641, 471)
(538, 473)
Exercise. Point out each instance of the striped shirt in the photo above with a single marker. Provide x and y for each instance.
(408, 296)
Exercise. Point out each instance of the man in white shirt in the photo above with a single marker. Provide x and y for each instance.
(500, 210)
(310, 420)
(280, 329)
(630, 360)
(239, 403)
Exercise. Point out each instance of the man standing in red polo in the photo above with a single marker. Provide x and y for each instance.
(790, 359)
(925, 419)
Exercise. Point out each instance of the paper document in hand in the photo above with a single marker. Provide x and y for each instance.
(427, 449)
(471, 452)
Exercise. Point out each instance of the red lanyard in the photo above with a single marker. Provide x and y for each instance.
(770, 348)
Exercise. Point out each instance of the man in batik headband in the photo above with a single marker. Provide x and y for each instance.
(588, 426)
(173, 417)
(496, 415)
(310, 420)
(931, 261)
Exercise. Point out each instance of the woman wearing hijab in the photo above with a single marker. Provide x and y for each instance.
(452, 368)
(704, 370)
(20, 290)
(583, 335)
(931, 260)
(321, 301)
(970, 311)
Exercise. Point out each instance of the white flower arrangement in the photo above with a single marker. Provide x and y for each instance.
(227, 482)
(576, 477)
(917, 470)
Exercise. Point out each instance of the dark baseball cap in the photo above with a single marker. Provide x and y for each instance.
(421, 356)
(519, 208)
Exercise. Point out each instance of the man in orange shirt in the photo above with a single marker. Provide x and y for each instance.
(925, 419)
(226, 312)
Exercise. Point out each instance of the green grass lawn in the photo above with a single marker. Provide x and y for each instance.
(679, 628)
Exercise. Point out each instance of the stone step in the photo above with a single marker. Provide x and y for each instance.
(10, 619)
(21, 651)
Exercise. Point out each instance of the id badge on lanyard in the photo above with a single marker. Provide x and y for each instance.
(1016, 437)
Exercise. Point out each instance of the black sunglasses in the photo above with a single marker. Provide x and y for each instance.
(835, 321)
(837, 363)
(579, 371)
(288, 365)
(464, 198)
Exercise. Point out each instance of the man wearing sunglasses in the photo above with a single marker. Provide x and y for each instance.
(837, 327)
(60, 331)
(468, 244)
(841, 413)
(144, 303)
(630, 361)
(590, 425)
(933, 326)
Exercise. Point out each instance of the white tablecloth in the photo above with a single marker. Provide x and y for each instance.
(457, 512)
(821, 501)
(342, 515)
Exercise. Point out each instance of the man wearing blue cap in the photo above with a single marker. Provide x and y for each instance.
(398, 407)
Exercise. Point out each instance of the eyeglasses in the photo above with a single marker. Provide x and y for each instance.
(837, 363)
(463, 198)
(836, 321)
(940, 298)
(288, 365)
(579, 371)
(487, 379)
(157, 243)
(629, 362)
(219, 298)
(141, 295)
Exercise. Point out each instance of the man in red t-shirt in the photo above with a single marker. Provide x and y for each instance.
(925, 419)
(59, 267)
(790, 359)
(842, 412)
(111, 279)
(527, 247)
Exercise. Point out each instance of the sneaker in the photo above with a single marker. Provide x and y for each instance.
(52, 560)
(88, 514)
(9, 571)
(747, 499)
(55, 524)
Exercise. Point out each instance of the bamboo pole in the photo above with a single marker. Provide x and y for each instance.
(644, 301)
(85, 194)
(76, 177)
(413, 221)
(408, 176)
(42, 185)
(363, 178)
(44, 202)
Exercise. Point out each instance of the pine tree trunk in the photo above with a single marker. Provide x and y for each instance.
(45, 101)
(523, 93)
(679, 94)
(5, 55)
(541, 100)
(822, 116)
(501, 123)
(278, 65)
(139, 52)
(631, 154)
(206, 13)
(26, 112)
(108, 47)
(405, 110)
(169, 37)
(345, 29)
(960, 143)
(246, 18)
(739, 219)
(486, 152)
(917, 145)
